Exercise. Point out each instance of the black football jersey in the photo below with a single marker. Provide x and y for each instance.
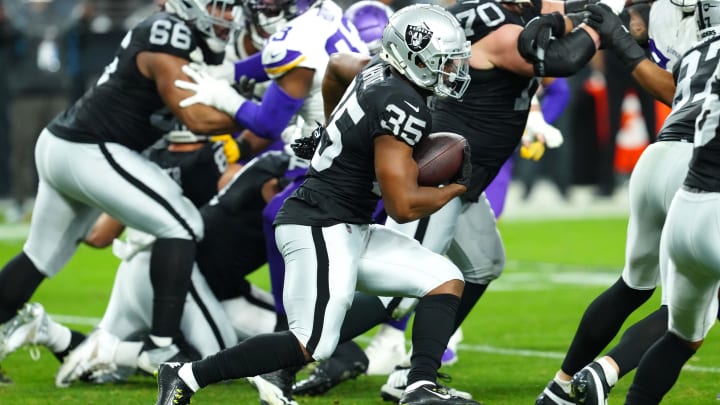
(234, 242)
(197, 172)
(494, 109)
(124, 106)
(341, 186)
(692, 76)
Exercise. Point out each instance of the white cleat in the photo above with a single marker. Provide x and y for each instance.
(94, 357)
(385, 351)
(28, 327)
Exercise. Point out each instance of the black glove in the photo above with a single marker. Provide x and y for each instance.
(246, 87)
(465, 173)
(537, 35)
(614, 35)
(304, 148)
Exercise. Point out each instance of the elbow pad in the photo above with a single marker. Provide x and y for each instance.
(562, 57)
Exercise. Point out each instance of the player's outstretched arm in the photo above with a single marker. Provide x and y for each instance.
(397, 174)
(165, 69)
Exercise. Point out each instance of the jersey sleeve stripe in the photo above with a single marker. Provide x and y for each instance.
(287, 63)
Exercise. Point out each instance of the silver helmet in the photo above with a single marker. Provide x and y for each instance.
(707, 16)
(426, 44)
(209, 17)
(687, 6)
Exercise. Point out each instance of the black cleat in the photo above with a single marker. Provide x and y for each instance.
(348, 362)
(172, 390)
(396, 383)
(554, 395)
(433, 394)
(589, 385)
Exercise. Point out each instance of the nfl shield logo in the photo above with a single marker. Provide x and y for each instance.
(417, 37)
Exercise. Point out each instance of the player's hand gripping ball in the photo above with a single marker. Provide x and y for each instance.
(439, 158)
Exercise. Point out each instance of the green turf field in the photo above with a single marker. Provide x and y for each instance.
(514, 339)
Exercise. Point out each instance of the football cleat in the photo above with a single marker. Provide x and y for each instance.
(327, 375)
(385, 350)
(152, 356)
(172, 390)
(553, 394)
(4, 379)
(589, 385)
(396, 383)
(434, 394)
(94, 357)
(28, 327)
(275, 388)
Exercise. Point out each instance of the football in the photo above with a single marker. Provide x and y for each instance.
(439, 158)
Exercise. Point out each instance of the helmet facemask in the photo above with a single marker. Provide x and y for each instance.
(266, 17)
(209, 17)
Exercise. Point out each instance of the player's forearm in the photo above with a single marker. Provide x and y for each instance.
(656, 80)
(422, 202)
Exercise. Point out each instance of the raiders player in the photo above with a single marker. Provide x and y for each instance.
(295, 59)
(88, 161)
(222, 306)
(324, 231)
(691, 239)
(654, 180)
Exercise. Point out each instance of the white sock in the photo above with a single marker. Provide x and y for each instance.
(161, 341)
(127, 353)
(186, 374)
(417, 385)
(611, 375)
(565, 385)
(59, 337)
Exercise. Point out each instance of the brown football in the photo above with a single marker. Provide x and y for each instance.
(439, 158)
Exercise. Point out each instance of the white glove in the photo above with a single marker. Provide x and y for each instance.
(210, 91)
(537, 129)
(616, 6)
(225, 71)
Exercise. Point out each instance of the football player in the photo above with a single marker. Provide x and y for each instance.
(690, 233)
(653, 182)
(324, 229)
(299, 36)
(222, 306)
(88, 161)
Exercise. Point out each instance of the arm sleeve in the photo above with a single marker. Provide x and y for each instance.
(269, 118)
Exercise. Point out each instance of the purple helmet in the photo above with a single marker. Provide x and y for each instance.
(370, 18)
(266, 17)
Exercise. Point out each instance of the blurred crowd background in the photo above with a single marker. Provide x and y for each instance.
(51, 51)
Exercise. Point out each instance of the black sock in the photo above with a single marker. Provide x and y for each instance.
(658, 370)
(638, 338)
(281, 322)
(471, 295)
(601, 321)
(434, 323)
(171, 263)
(18, 281)
(366, 312)
(254, 356)
(75, 339)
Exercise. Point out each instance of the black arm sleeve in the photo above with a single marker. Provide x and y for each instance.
(561, 57)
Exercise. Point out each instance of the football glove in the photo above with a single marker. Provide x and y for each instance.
(536, 129)
(465, 174)
(230, 147)
(532, 151)
(224, 71)
(304, 148)
(217, 93)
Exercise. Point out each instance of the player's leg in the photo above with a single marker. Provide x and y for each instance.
(57, 225)
(154, 204)
(276, 264)
(319, 286)
(409, 269)
(693, 281)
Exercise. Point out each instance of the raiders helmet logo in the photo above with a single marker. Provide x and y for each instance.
(417, 38)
